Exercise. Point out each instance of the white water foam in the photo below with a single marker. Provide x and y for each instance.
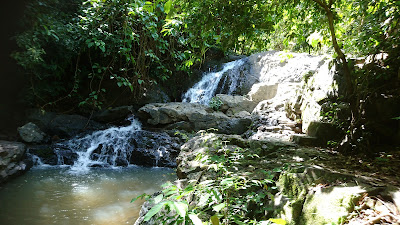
(108, 145)
(206, 88)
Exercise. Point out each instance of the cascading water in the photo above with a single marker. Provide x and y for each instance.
(208, 86)
(270, 78)
(61, 189)
(105, 147)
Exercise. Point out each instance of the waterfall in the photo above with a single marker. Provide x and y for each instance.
(208, 86)
(110, 147)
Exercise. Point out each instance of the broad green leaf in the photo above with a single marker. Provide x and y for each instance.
(167, 6)
(158, 198)
(195, 219)
(153, 211)
(181, 208)
(140, 196)
(218, 207)
(204, 199)
(215, 220)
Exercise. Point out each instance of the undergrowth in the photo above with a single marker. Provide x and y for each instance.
(228, 192)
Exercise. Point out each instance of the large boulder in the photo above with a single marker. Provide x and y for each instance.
(193, 117)
(234, 104)
(154, 149)
(63, 126)
(12, 160)
(31, 133)
(263, 91)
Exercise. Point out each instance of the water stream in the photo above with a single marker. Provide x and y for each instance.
(207, 87)
(92, 181)
(53, 195)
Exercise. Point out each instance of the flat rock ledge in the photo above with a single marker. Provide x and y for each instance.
(194, 117)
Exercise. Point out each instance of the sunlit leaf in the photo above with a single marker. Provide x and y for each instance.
(153, 211)
(218, 207)
(195, 219)
(181, 208)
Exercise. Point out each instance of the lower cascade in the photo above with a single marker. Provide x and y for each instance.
(112, 147)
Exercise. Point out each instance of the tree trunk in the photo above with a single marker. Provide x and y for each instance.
(347, 73)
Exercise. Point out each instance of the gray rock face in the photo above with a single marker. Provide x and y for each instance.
(235, 104)
(31, 133)
(11, 164)
(262, 91)
(193, 117)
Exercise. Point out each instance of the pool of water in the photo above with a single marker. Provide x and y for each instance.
(49, 195)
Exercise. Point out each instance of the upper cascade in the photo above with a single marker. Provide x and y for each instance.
(212, 83)
(238, 77)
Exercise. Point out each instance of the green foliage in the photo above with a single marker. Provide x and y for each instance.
(73, 48)
(231, 195)
(215, 103)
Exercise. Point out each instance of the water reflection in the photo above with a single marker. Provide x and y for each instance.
(54, 196)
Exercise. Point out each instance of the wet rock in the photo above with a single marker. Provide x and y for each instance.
(31, 133)
(154, 149)
(45, 153)
(66, 156)
(12, 160)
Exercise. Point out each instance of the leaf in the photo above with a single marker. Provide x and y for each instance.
(153, 211)
(181, 208)
(215, 220)
(278, 221)
(158, 198)
(195, 219)
(218, 207)
(140, 196)
(167, 6)
(140, 81)
(204, 199)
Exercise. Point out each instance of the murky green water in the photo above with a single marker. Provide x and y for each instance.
(55, 196)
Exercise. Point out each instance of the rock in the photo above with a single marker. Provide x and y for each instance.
(31, 133)
(315, 196)
(154, 95)
(113, 115)
(305, 140)
(11, 160)
(234, 104)
(330, 205)
(192, 116)
(323, 131)
(66, 156)
(63, 126)
(45, 153)
(154, 149)
(262, 91)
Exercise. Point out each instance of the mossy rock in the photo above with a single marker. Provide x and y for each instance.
(330, 205)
